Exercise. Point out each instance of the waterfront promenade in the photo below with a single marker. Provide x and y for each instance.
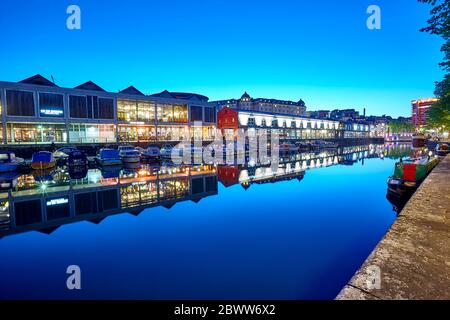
(414, 256)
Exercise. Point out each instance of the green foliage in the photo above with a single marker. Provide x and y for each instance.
(439, 24)
(397, 126)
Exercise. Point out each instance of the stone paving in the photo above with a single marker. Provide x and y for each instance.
(414, 256)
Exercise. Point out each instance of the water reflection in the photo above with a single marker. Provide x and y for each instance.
(45, 200)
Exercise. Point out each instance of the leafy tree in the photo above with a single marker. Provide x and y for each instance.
(439, 24)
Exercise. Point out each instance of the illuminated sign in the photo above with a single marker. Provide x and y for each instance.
(51, 112)
(55, 202)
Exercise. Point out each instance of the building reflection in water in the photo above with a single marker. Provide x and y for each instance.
(43, 201)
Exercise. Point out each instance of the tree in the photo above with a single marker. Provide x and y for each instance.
(439, 24)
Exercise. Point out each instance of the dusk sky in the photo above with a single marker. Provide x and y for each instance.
(320, 51)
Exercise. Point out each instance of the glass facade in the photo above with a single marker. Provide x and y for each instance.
(51, 105)
(172, 113)
(137, 133)
(133, 111)
(92, 133)
(36, 133)
(20, 103)
(171, 133)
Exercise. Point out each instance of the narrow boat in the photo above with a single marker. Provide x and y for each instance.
(77, 158)
(129, 154)
(108, 157)
(9, 162)
(410, 173)
(419, 141)
(442, 149)
(42, 160)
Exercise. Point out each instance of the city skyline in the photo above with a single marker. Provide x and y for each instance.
(223, 49)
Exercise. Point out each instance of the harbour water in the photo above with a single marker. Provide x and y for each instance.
(203, 232)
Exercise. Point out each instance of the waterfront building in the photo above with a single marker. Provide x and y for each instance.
(37, 111)
(94, 195)
(275, 106)
(288, 127)
(420, 109)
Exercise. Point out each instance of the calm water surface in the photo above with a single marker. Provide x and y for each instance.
(230, 233)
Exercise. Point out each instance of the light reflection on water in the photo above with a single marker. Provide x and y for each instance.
(297, 232)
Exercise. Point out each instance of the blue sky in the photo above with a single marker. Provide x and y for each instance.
(320, 51)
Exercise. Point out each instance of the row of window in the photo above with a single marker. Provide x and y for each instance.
(275, 123)
(22, 103)
(23, 133)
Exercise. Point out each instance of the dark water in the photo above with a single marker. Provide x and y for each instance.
(204, 233)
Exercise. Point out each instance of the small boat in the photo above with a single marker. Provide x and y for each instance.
(8, 180)
(410, 173)
(9, 162)
(108, 157)
(419, 141)
(321, 144)
(129, 154)
(42, 160)
(77, 158)
(62, 154)
(151, 153)
(109, 172)
(78, 172)
(442, 149)
(166, 151)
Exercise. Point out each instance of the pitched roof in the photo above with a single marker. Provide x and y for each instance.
(181, 95)
(131, 90)
(90, 86)
(38, 80)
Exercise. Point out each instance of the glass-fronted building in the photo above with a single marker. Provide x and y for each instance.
(37, 111)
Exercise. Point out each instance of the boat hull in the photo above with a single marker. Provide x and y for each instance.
(43, 165)
(132, 159)
(8, 167)
(110, 162)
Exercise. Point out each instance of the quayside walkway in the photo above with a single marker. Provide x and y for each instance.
(414, 256)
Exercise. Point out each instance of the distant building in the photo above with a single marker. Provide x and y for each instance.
(420, 109)
(319, 114)
(344, 115)
(275, 106)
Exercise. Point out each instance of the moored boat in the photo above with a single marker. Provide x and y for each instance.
(62, 154)
(129, 154)
(42, 160)
(9, 162)
(419, 140)
(410, 173)
(108, 157)
(77, 158)
(442, 149)
(151, 153)
(287, 147)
